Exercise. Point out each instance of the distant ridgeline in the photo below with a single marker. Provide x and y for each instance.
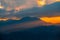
(7, 21)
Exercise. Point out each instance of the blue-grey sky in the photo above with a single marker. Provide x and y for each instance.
(17, 3)
(22, 3)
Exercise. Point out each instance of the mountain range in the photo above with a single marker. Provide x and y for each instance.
(22, 20)
(47, 10)
(31, 28)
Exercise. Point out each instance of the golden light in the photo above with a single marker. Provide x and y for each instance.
(12, 18)
(58, 0)
(1, 7)
(4, 19)
(15, 18)
(53, 20)
(41, 2)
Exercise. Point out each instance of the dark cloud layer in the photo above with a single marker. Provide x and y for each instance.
(29, 4)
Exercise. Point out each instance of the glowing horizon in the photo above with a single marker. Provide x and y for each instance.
(12, 18)
(53, 20)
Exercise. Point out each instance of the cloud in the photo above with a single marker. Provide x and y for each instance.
(18, 3)
(25, 3)
(52, 1)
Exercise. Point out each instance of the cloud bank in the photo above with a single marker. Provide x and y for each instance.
(23, 3)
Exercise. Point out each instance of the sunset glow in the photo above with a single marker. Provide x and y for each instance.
(15, 18)
(1, 7)
(4, 19)
(58, 0)
(53, 20)
(41, 2)
(12, 18)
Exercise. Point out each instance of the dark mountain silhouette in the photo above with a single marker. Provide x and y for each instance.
(36, 33)
(47, 10)
(24, 19)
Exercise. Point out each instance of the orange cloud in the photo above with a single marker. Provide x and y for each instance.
(53, 20)
(41, 2)
(12, 18)
(45, 2)
(3, 19)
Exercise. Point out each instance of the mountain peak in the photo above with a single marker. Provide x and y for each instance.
(29, 19)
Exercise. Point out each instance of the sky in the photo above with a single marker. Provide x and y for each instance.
(22, 3)
(19, 3)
